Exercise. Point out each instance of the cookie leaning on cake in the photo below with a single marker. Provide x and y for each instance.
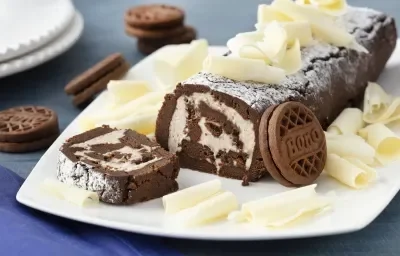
(231, 121)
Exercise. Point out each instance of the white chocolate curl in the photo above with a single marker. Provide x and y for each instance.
(379, 107)
(275, 42)
(331, 7)
(191, 196)
(351, 172)
(295, 30)
(350, 146)
(348, 122)
(385, 142)
(291, 62)
(143, 122)
(267, 13)
(171, 68)
(212, 209)
(243, 69)
(122, 91)
(282, 209)
(71, 194)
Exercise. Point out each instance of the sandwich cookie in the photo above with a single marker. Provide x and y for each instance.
(292, 144)
(94, 80)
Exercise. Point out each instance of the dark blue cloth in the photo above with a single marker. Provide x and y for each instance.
(24, 231)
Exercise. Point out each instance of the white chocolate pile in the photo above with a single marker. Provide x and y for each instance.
(200, 204)
(273, 51)
(134, 104)
(359, 140)
(71, 194)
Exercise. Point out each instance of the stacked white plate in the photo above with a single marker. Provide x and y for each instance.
(35, 31)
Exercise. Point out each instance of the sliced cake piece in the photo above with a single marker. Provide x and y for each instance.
(212, 122)
(122, 166)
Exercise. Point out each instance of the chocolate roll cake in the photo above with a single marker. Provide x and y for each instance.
(212, 122)
(122, 166)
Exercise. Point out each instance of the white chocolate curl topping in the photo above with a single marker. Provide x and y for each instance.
(348, 122)
(242, 69)
(379, 107)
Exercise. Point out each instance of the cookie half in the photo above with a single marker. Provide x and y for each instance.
(154, 16)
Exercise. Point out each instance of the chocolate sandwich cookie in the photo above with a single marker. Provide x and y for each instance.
(147, 46)
(292, 143)
(27, 128)
(154, 33)
(154, 16)
(122, 166)
(85, 86)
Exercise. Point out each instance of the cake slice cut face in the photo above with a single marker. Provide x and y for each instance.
(123, 166)
(212, 122)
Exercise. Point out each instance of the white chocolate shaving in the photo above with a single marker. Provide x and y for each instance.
(331, 7)
(291, 62)
(267, 13)
(212, 209)
(71, 194)
(298, 29)
(143, 122)
(379, 107)
(128, 109)
(350, 146)
(191, 196)
(122, 91)
(178, 66)
(348, 122)
(275, 42)
(385, 142)
(243, 69)
(282, 209)
(351, 172)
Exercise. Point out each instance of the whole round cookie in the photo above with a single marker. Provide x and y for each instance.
(27, 123)
(154, 16)
(297, 143)
(155, 33)
(265, 149)
(147, 46)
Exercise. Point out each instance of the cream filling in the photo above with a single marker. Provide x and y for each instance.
(178, 130)
(124, 164)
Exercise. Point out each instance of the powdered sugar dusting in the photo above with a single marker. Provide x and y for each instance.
(83, 176)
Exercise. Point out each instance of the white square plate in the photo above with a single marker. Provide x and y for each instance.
(353, 210)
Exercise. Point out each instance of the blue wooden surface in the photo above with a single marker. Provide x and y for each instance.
(217, 21)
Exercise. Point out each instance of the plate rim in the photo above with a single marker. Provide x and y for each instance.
(58, 45)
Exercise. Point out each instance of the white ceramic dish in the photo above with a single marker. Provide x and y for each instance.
(49, 51)
(353, 210)
(28, 25)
